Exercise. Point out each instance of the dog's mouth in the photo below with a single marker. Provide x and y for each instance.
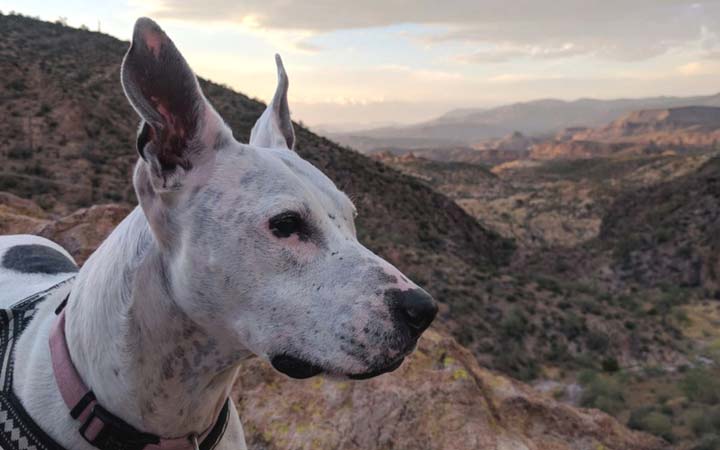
(295, 367)
(299, 368)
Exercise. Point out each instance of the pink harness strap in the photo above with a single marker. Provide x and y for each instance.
(101, 428)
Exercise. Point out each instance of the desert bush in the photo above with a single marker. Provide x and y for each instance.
(628, 302)
(597, 341)
(20, 153)
(558, 352)
(7, 182)
(572, 326)
(512, 358)
(705, 421)
(654, 422)
(590, 306)
(514, 325)
(548, 284)
(603, 392)
(610, 365)
(708, 442)
(701, 385)
(37, 170)
(44, 110)
(16, 85)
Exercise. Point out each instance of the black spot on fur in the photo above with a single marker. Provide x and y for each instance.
(384, 277)
(34, 258)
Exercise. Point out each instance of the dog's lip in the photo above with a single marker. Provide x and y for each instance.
(295, 367)
(300, 369)
(389, 368)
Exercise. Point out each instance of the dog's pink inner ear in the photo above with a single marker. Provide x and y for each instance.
(153, 41)
(164, 91)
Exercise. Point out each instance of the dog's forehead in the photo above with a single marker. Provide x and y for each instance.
(317, 181)
(282, 173)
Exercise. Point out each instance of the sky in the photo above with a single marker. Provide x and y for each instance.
(355, 64)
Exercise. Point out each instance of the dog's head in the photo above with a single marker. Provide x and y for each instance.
(260, 246)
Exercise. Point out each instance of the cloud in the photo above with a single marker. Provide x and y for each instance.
(615, 29)
(699, 68)
(690, 69)
(419, 74)
(305, 45)
(521, 77)
(508, 52)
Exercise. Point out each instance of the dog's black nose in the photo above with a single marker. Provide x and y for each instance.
(416, 308)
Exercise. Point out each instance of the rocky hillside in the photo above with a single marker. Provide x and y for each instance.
(485, 153)
(440, 399)
(678, 128)
(669, 233)
(576, 149)
(628, 237)
(681, 130)
(535, 118)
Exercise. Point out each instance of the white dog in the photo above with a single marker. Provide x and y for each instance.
(234, 250)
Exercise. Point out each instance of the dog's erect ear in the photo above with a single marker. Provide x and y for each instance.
(274, 129)
(165, 93)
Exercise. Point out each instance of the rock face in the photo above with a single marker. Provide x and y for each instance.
(575, 149)
(440, 399)
(692, 126)
(83, 231)
(18, 215)
(80, 233)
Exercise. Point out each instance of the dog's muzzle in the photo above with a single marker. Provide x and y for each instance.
(301, 369)
(412, 312)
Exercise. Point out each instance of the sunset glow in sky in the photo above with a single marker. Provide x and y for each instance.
(382, 61)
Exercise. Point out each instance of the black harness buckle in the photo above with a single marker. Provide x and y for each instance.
(114, 434)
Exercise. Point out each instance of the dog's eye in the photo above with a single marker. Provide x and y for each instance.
(286, 224)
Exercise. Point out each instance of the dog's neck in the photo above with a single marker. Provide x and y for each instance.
(145, 359)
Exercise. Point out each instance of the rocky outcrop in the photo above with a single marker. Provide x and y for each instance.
(514, 142)
(80, 233)
(18, 215)
(575, 149)
(692, 126)
(83, 231)
(440, 399)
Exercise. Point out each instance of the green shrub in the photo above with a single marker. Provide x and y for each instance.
(705, 421)
(659, 425)
(37, 170)
(702, 385)
(651, 421)
(597, 341)
(610, 365)
(514, 325)
(513, 359)
(708, 442)
(20, 153)
(16, 85)
(572, 325)
(7, 182)
(602, 392)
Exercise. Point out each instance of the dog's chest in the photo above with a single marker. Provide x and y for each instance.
(17, 429)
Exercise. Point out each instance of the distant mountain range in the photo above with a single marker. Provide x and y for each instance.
(540, 118)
